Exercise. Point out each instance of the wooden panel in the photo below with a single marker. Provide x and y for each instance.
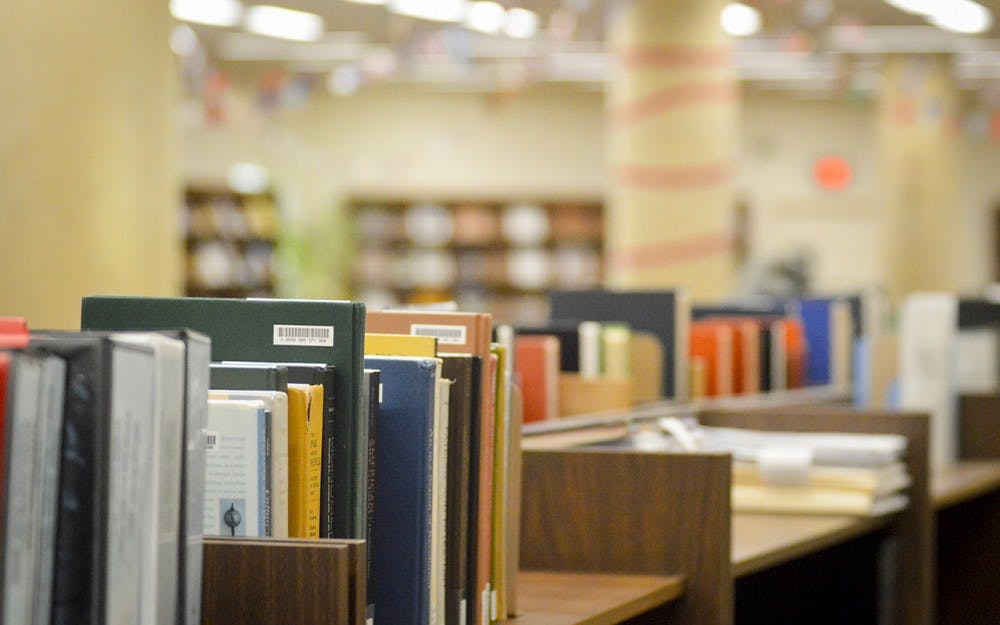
(258, 581)
(637, 513)
(963, 481)
(761, 541)
(979, 422)
(913, 527)
(589, 598)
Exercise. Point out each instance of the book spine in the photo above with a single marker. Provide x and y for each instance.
(329, 501)
(263, 473)
(315, 460)
(372, 418)
(267, 462)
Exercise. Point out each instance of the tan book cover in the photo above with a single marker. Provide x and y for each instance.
(646, 368)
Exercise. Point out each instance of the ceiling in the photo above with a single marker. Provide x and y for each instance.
(801, 45)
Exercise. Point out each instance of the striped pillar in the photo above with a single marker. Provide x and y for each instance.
(672, 104)
(920, 166)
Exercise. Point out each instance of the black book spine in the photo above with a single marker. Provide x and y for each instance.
(372, 416)
(472, 542)
(328, 500)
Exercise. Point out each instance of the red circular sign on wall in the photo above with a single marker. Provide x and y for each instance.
(833, 173)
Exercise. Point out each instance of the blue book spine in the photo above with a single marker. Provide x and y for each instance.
(816, 323)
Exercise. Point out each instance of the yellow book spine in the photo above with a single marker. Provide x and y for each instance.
(305, 432)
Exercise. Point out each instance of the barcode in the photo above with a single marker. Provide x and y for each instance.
(211, 441)
(452, 335)
(303, 335)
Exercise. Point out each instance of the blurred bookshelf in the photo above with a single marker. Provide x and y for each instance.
(499, 254)
(230, 240)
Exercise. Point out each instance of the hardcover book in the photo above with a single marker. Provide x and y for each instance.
(305, 443)
(459, 369)
(403, 498)
(236, 469)
(372, 393)
(268, 330)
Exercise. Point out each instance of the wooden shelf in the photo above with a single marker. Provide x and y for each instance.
(760, 541)
(590, 599)
(963, 481)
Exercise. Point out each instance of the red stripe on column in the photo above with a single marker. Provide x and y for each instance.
(672, 252)
(673, 57)
(644, 177)
(673, 98)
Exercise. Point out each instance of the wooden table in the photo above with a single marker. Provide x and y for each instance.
(963, 481)
(590, 599)
(761, 541)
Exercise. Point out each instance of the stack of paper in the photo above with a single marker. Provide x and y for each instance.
(796, 473)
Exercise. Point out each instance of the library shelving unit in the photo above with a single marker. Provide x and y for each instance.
(614, 512)
(230, 240)
(499, 254)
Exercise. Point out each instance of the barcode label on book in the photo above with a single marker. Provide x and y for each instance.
(451, 335)
(484, 606)
(211, 441)
(462, 607)
(493, 606)
(310, 336)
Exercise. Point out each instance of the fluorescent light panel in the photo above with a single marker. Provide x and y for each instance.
(521, 24)
(283, 23)
(962, 16)
(739, 20)
(486, 17)
(435, 10)
(210, 12)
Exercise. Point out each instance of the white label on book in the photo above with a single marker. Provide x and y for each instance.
(380, 388)
(493, 606)
(484, 606)
(450, 335)
(462, 616)
(211, 441)
(308, 336)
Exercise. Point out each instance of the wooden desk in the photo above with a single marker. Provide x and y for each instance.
(590, 599)
(761, 541)
(963, 481)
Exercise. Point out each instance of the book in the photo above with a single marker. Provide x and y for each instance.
(712, 341)
(267, 382)
(459, 369)
(305, 441)
(822, 335)
(616, 351)
(400, 345)
(822, 501)
(568, 333)
(646, 367)
(403, 497)
(372, 387)
(439, 493)
(269, 330)
(501, 487)
(462, 333)
(108, 397)
(236, 471)
(34, 425)
(538, 375)
(162, 498)
(13, 333)
(880, 480)
(4, 374)
(664, 313)
(198, 353)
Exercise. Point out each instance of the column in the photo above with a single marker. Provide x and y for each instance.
(919, 150)
(672, 108)
(89, 198)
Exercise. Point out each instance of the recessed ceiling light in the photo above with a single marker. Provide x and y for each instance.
(918, 7)
(183, 40)
(284, 23)
(739, 20)
(962, 16)
(211, 12)
(521, 24)
(486, 17)
(436, 10)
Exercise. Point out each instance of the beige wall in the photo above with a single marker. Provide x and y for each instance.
(88, 190)
(550, 140)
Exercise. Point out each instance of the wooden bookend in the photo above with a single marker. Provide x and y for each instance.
(584, 396)
(978, 423)
(912, 527)
(307, 582)
(633, 513)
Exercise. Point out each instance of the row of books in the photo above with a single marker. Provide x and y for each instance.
(103, 470)
(415, 451)
(637, 347)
